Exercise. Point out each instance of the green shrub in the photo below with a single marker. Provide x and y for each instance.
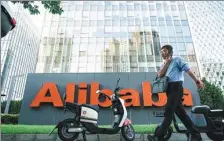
(9, 118)
(211, 95)
(14, 107)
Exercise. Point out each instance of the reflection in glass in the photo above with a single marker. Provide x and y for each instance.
(172, 39)
(188, 39)
(152, 7)
(173, 7)
(120, 36)
(190, 49)
(183, 15)
(186, 31)
(181, 46)
(146, 22)
(176, 22)
(144, 7)
(180, 39)
(159, 6)
(156, 43)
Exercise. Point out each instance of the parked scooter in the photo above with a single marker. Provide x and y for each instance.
(214, 124)
(86, 117)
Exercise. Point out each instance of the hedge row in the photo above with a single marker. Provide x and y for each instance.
(14, 107)
(9, 118)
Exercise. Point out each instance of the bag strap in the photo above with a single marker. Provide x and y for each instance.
(168, 67)
(156, 75)
(166, 70)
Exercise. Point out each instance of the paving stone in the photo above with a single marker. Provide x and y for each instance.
(58, 139)
(103, 137)
(178, 137)
(45, 137)
(92, 137)
(116, 137)
(145, 138)
(138, 137)
(8, 137)
(205, 137)
(78, 139)
(25, 137)
(100, 137)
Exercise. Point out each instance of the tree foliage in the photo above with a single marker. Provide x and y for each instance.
(53, 6)
(211, 95)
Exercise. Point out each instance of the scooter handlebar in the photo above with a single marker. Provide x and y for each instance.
(105, 95)
(117, 89)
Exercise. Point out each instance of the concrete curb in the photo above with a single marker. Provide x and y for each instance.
(99, 137)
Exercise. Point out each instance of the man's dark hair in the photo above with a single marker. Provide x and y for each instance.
(168, 47)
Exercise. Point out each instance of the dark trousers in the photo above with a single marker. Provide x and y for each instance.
(174, 105)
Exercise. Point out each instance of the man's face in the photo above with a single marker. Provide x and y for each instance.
(164, 53)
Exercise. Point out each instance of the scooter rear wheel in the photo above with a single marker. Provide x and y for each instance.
(63, 130)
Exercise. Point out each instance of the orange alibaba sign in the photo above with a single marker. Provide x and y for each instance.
(56, 99)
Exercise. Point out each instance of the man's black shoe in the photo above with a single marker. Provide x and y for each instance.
(158, 139)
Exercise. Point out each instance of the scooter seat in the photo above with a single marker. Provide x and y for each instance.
(72, 104)
(201, 109)
(94, 107)
(218, 112)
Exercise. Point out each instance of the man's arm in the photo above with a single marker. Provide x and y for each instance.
(162, 71)
(199, 83)
(184, 67)
(191, 74)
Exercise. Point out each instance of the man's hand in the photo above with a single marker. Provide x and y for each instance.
(165, 66)
(200, 84)
(167, 60)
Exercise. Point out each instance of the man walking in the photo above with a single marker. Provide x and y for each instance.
(176, 68)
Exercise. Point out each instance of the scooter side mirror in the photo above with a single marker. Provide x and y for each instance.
(117, 81)
(101, 97)
(98, 91)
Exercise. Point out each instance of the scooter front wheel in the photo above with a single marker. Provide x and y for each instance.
(128, 132)
(63, 130)
(216, 136)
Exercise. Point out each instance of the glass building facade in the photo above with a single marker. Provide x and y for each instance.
(206, 21)
(19, 52)
(114, 36)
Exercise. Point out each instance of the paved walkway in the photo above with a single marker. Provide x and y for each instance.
(117, 137)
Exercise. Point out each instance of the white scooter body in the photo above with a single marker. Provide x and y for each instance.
(90, 115)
